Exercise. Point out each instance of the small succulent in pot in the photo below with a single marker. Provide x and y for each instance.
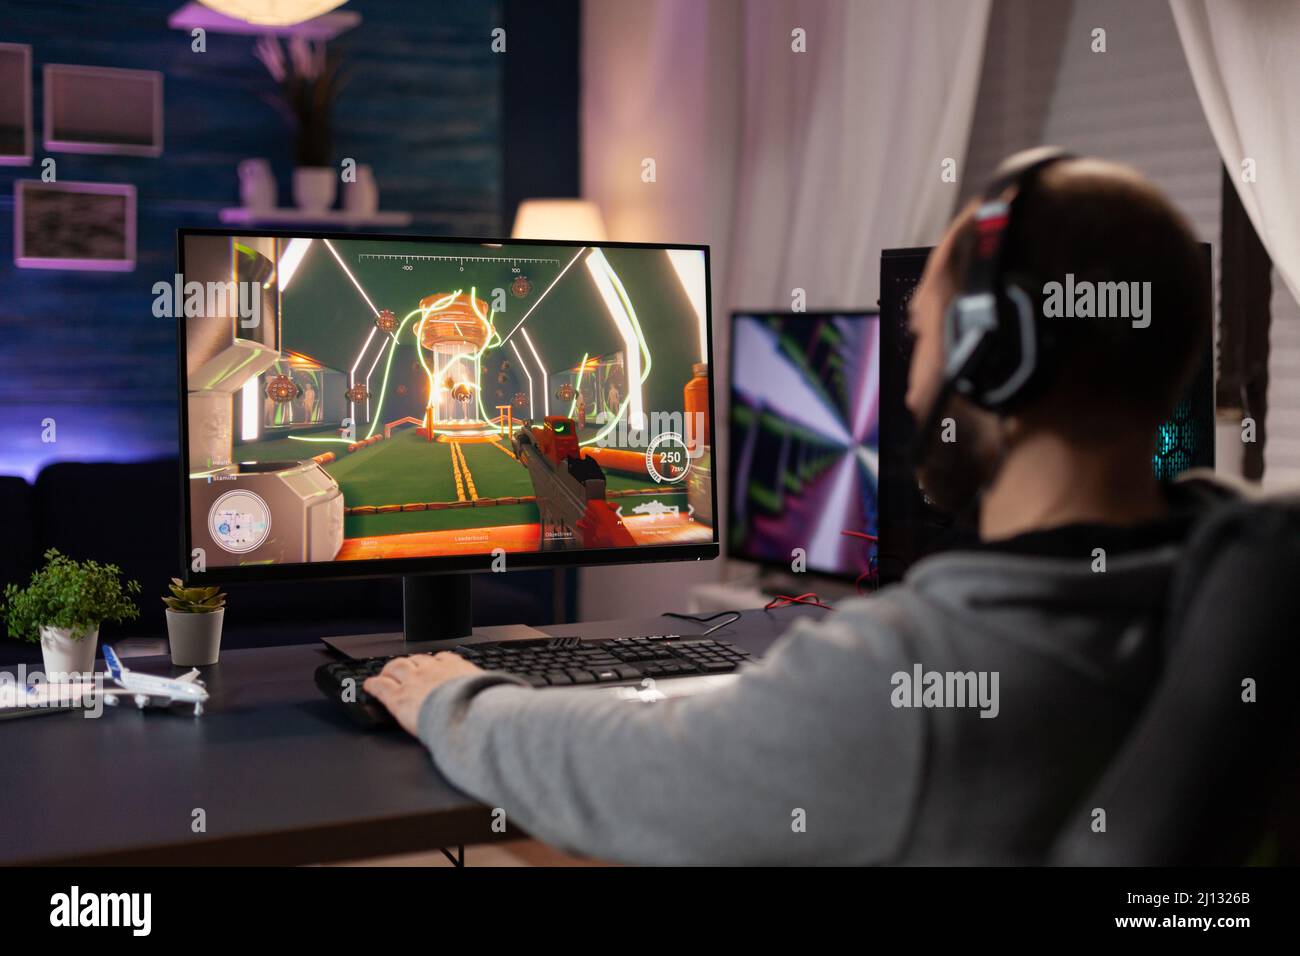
(194, 618)
(185, 600)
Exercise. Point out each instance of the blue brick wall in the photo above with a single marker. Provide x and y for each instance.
(422, 106)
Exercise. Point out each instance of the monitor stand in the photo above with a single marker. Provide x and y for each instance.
(436, 616)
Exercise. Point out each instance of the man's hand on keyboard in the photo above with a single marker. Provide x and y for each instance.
(404, 683)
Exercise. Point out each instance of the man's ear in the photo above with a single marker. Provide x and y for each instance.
(1009, 427)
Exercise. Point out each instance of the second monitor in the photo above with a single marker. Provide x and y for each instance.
(805, 440)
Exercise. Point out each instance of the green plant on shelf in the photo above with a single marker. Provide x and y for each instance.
(309, 79)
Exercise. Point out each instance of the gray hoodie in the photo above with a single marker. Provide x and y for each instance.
(830, 750)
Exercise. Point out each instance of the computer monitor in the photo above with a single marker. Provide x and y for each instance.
(911, 527)
(805, 440)
(384, 405)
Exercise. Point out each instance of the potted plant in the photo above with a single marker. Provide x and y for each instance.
(309, 79)
(194, 617)
(63, 607)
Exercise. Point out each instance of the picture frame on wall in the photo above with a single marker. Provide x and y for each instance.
(103, 110)
(85, 226)
(15, 104)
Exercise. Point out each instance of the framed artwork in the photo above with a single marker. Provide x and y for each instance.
(15, 104)
(93, 109)
(74, 226)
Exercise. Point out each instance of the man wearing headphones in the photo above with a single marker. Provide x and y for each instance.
(961, 715)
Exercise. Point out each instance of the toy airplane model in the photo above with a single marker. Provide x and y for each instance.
(147, 689)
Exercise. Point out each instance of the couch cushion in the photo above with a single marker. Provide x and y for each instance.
(18, 552)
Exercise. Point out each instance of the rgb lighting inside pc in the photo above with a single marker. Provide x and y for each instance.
(363, 398)
(805, 440)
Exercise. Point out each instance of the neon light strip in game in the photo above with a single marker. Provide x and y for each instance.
(615, 304)
(524, 365)
(689, 266)
(520, 323)
(546, 385)
(292, 258)
(248, 410)
(577, 386)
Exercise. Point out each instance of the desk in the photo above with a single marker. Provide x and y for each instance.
(280, 773)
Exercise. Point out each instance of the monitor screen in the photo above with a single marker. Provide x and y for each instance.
(392, 404)
(805, 440)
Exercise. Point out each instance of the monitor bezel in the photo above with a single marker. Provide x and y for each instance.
(739, 554)
(433, 564)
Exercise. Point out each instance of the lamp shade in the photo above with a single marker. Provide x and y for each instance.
(273, 13)
(575, 219)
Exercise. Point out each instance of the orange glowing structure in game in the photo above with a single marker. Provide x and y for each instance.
(453, 328)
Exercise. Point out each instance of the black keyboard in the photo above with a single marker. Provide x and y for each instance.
(549, 662)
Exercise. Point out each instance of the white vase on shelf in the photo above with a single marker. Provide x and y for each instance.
(314, 187)
(257, 185)
(361, 197)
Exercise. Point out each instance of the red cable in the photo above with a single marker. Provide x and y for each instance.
(785, 600)
(871, 574)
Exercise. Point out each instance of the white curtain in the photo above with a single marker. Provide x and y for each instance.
(796, 167)
(1245, 59)
(843, 147)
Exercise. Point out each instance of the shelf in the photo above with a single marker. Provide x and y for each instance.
(325, 27)
(239, 216)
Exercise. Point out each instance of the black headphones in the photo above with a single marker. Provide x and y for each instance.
(991, 336)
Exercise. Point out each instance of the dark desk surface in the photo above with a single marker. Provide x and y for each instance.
(280, 773)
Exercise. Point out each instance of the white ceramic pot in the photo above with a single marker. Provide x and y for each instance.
(361, 197)
(256, 185)
(314, 187)
(195, 639)
(65, 654)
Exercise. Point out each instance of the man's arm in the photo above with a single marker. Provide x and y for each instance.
(801, 760)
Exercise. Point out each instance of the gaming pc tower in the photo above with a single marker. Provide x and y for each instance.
(366, 405)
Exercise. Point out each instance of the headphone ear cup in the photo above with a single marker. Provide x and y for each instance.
(1009, 367)
(972, 330)
(963, 340)
(992, 348)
